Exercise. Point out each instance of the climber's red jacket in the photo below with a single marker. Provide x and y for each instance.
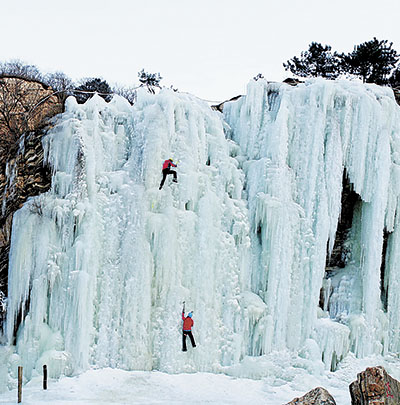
(167, 164)
(187, 322)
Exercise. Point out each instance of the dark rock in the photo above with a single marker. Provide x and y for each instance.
(317, 396)
(396, 92)
(20, 178)
(220, 107)
(375, 386)
(292, 81)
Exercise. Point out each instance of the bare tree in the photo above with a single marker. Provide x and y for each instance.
(60, 83)
(127, 92)
(19, 112)
(20, 69)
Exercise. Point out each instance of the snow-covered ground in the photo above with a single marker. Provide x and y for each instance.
(110, 386)
(114, 386)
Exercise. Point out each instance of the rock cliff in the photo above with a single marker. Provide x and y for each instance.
(25, 111)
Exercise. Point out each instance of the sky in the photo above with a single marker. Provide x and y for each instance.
(210, 48)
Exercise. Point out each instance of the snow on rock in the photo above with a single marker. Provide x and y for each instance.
(100, 264)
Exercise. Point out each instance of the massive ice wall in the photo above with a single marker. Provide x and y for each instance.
(297, 143)
(100, 265)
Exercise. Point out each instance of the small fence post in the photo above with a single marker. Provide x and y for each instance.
(45, 377)
(19, 384)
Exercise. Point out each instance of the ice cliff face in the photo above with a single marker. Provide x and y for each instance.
(100, 264)
(297, 142)
(104, 260)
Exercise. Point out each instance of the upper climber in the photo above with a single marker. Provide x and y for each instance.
(166, 169)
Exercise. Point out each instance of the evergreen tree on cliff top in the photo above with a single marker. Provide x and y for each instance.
(317, 61)
(372, 61)
(90, 86)
(150, 80)
(394, 80)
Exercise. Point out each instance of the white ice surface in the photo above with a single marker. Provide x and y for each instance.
(296, 143)
(104, 259)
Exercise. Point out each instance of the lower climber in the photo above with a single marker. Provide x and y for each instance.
(187, 330)
(166, 170)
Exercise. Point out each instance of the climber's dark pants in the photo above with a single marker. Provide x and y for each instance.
(165, 173)
(184, 334)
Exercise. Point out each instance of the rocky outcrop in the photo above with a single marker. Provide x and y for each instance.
(339, 255)
(25, 109)
(375, 386)
(220, 107)
(292, 81)
(397, 95)
(317, 396)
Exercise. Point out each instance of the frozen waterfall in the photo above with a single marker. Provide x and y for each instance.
(100, 264)
(296, 144)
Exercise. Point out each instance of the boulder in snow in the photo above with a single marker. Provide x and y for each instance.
(375, 386)
(317, 396)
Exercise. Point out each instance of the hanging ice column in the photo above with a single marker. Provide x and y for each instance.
(296, 143)
(100, 265)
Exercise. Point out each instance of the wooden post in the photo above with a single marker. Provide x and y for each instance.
(45, 377)
(19, 384)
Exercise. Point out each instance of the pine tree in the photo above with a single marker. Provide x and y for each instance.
(394, 80)
(90, 86)
(150, 80)
(317, 61)
(372, 61)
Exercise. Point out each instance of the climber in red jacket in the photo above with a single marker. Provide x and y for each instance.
(166, 169)
(187, 330)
